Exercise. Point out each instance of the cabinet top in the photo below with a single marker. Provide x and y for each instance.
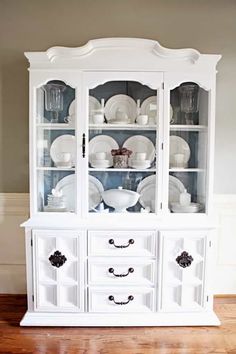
(122, 54)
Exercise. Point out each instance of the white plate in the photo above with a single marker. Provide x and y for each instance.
(95, 192)
(145, 182)
(71, 110)
(94, 105)
(179, 146)
(149, 107)
(140, 143)
(102, 143)
(175, 188)
(67, 186)
(147, 196)
(191, 208)
(64, 143)
(123, 103)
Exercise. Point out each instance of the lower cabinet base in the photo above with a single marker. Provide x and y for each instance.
(119, 320)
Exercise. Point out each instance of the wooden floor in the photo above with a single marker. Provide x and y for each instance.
(146, 340)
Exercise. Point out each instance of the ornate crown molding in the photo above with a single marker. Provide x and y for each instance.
(63, 53)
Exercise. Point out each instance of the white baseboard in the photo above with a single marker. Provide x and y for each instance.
(14, 209)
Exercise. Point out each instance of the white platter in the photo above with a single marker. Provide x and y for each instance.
(175, 188)
(148, 107)
(123, 103)
(67, 186)
(94, 105)
(102, 143)
(95, 192)
(148, 196)
(140, 143)
(62, 144)
(179, 146)
(71, 110)
(145, 182)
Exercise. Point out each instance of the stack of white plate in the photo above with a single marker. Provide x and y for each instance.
(139, 164)
(191, 208)
(55, 203)
(100, 163)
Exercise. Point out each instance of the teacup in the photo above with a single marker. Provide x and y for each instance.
(141, 156)
(178, 160)
(100, 155)
(65, 157)
(142, 119)
(98, 118)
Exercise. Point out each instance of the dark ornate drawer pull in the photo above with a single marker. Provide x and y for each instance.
(130, 298)
(184, 260)
(112, 242)
(57, 259)
(111, 270)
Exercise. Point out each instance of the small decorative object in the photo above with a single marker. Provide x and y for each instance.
(185, 198)
(189, 101)
(55, 201)
(57, 259)
(54, 99)
(142, 119)
(120, 157)
(184, 260)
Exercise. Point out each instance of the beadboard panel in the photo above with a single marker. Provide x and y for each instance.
(14, 209)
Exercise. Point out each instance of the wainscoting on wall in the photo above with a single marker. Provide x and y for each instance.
(14, 209)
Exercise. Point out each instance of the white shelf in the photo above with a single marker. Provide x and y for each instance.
(121, 169)
(190, 128)
(186, 169)
(55, 168)
(121, 126)
(55, 126)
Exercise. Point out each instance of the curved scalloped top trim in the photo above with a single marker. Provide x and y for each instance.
(63, 53)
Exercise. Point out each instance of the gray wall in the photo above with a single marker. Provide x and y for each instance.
(36, 25)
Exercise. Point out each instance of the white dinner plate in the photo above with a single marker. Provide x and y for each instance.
(149, 107)
(62, 144)
(148, 196)
(67, 186)
(102, 143)
(123, 103)
(140, 143)
(179, 146)
(71, 110)
(94, 105)
(95, 192)
(175, 188)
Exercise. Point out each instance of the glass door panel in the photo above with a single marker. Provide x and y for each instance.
(188, 149)
(55, 148)
(122, 147)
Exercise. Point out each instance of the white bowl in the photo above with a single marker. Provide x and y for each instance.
(141, 156)
(98, 118)
(120, 199)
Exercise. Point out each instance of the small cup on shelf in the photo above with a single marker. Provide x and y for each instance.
(142, 119)
(141, 156)
(98, 118)
(100, 155)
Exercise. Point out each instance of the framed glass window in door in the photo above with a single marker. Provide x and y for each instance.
(188, 147)
(123, 140)
(55, 148)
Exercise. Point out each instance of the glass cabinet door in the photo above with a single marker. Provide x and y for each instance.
(123, 147)
(188, 148)
(55, 148)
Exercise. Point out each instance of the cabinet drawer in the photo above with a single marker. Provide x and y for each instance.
(122, 243)
(121, 300)
(121, 271)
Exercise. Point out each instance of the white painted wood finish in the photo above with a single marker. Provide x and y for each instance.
(159, 287)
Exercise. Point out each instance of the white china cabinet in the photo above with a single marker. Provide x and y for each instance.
(121, 180)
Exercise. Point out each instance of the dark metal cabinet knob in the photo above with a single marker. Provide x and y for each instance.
(184, 260)
(111, 270)
(130, 298)
(57, 259)
(112, 242)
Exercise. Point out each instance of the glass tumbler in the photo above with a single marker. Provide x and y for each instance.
(189, 101)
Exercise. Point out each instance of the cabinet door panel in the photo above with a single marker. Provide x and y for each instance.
(183, 271)
(58, 270)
